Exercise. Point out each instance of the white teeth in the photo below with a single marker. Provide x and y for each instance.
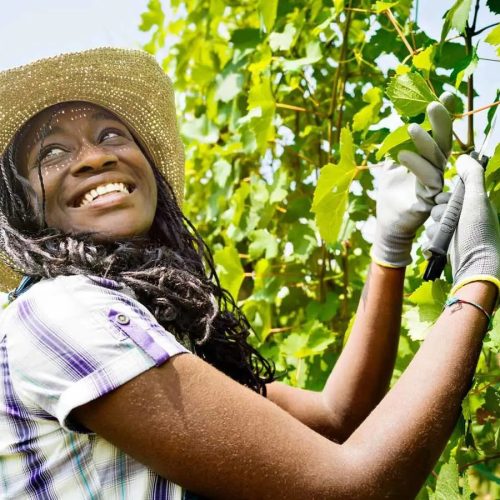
(103, 189)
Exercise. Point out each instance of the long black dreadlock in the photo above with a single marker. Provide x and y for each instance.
(171, 272)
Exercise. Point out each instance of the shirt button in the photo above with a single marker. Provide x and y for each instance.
(122, 319)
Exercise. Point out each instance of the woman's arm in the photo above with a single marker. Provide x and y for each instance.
(363, 371)
(198, 428)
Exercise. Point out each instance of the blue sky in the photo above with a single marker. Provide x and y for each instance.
(30, 29)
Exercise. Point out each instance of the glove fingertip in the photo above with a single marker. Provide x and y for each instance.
(442, 198)
(468, 168)
(448, 100)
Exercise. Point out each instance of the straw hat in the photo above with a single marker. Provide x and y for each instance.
(129, 83)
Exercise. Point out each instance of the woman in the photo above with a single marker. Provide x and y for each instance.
(96, 400)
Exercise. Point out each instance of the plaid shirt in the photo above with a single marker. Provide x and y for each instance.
(64, 342)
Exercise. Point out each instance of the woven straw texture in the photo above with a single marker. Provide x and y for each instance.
(130, 83)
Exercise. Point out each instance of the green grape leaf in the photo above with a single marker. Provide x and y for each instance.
(494, 6)
(229, 269)
(428, 300)
(491, 113)
(331, 193)
(369, 114)
(493, 37)
(262, 106)
(410, 94)
(424, 60)
(492, 341)
(268, 10)
(381, 6)
(456, 17)
(262, 241)
(449, 54)
(447, 485)
(229, 86)
(339, 6)
(397, 140)
(246, 38)
(494, 162)
(313, 54)
(222, 171)
(312, 340)
(282, 41)
(201, 130)
(154, 16)
(464, 68)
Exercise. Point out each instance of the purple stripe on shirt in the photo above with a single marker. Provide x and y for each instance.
(39, 483)
(76, 364)
(140, 336)
(161, 489)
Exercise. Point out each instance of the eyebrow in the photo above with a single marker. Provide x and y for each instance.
(98, 115)
(104, 115)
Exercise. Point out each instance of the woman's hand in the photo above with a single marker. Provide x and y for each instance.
(405, 199)
(475, 247)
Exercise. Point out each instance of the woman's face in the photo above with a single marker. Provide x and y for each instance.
(95, 176)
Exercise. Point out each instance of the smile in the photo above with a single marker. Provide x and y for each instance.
(105, 193)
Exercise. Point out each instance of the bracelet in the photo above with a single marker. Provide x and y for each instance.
(455, 300)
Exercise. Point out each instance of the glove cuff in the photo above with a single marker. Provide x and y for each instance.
(470, 279)
(392, 250)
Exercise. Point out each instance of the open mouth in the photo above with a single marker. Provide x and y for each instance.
(104, 193)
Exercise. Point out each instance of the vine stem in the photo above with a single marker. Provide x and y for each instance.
(290, 106)
(482, 108)
(393, 21)
(478, 32)
(336, 79)
(481, 460)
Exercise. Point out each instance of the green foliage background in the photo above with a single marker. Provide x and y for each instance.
(280, 103)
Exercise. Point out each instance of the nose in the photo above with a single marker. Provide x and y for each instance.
(92, 157)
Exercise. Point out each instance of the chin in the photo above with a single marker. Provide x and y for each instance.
(113, 235)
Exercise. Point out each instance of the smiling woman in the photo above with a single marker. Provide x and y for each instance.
(125, 368)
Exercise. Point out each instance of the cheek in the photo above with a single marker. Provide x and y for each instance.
(50, 179)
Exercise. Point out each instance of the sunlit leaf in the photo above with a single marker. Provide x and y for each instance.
(493, 37)
(313, 54)
(229, 269)
(282, 41)
(456, 17)
(369, 114)
(268, 10)
(381, 6)
(331, 193)
(447, 486)
(464, 68)
(262, 241)
(424, 60)
(201, 130)
(410, 94)
(428, 301)
(229, 87)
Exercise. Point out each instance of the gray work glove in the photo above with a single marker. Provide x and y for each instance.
(405, 198)
(475, 247)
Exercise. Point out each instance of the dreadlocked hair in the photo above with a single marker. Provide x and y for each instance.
(171, 272)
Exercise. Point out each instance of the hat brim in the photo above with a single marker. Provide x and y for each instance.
(129, 83)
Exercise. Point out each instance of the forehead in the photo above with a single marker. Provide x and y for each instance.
(58, 115)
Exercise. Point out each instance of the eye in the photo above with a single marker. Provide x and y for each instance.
(110, 134)
(50, 152)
